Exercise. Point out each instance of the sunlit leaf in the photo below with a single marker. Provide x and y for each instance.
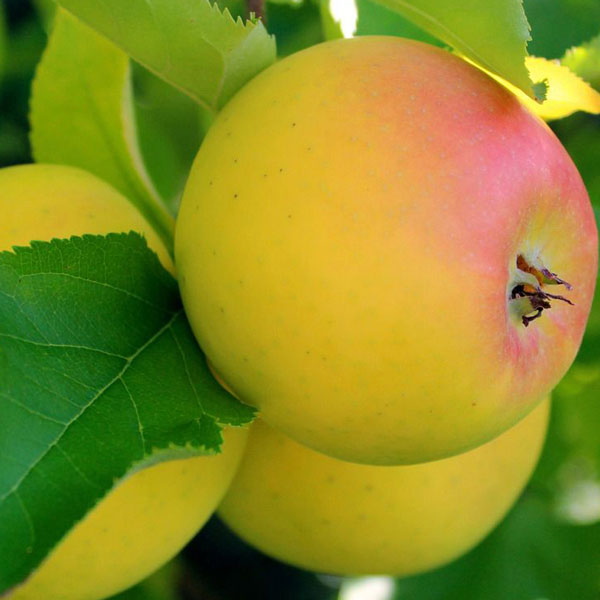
(493, 34)
(332, 24)
(567, 93)
(82, 115)
(376, 19)
(189, 43)
(585, 60)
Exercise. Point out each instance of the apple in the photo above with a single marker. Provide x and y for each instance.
(385, 252)
(152, 514)
(42, 201)
(328, 515)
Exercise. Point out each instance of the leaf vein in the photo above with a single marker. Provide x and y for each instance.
(30, 410)
(84, 408)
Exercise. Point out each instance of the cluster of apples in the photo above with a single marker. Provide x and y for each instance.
(387, 254)
(390, 257)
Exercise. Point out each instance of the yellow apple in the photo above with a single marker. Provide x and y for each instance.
(41, 202)
(369, 232)
(327, 515)
(152, 514)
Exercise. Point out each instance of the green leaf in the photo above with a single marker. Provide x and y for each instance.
(585, 60)
(332, 27)
(237, 8)
(3, 41)
(376, 19)
(528, 557)
(580, 134)
(556, 25)
(572, 456)
(82, 115)
(189, 43)
(493, 34)
(572, 459)
(99, 374)
(295, 25)
(46, 10)
(25, 44)
(169, 132)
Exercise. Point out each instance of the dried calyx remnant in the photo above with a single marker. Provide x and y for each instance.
(530, 293)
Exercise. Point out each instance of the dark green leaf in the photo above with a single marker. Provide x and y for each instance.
(580, 135)
(295, 25)
(3, 41)
(99, 373)
(46, 10)
(556, 25)
(528, 557)
(169, 127)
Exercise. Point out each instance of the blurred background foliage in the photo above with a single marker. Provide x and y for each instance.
(549, 545)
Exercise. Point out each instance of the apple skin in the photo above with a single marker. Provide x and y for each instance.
(146, 520)
(42, 201)
(332, 516)
(347, 247)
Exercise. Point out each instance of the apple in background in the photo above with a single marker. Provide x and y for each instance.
(42, 201)
(385, 252)
(152, 514)
(327, 515)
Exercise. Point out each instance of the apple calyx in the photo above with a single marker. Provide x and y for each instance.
(528, 296)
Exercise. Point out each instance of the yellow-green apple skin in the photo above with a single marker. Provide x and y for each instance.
(347, 250)
(148, 517)
(41, 202)
(332, 516)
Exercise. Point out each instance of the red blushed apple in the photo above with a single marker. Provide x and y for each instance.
(385, 252)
